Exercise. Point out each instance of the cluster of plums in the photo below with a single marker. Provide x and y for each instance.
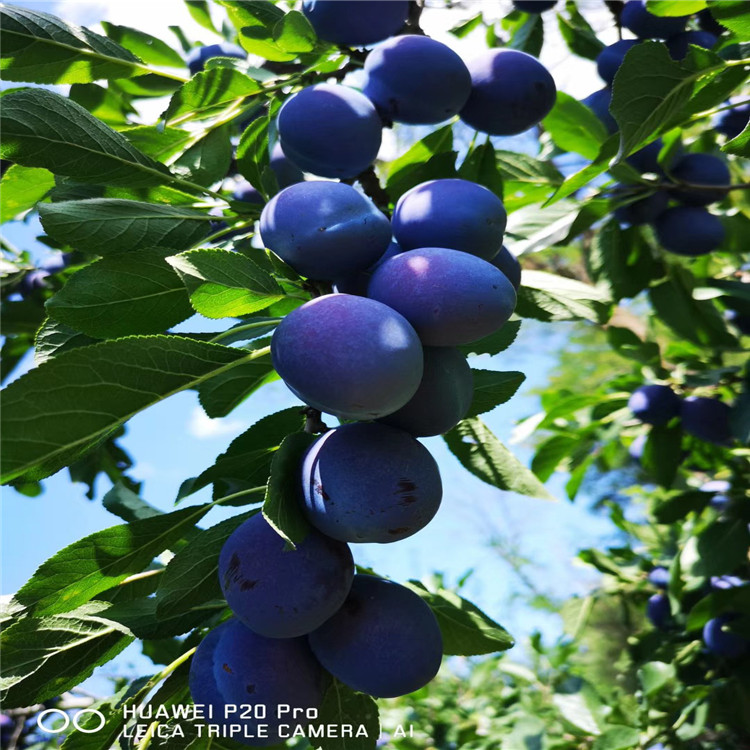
(706, 418)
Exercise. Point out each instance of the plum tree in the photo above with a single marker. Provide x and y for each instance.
(721, 641)
(598, 103)
(646, 25)
(416, 80)
(349, 356)
(654, 404)
(279, 592)
(658, 611)
(678, 45)
(534, 6)
(509, 265)
(700, 169)
(384, 641)
(644, 210)
(610, 58)
(706, 419)
(510, 92)
(443, 397)
(451, 298)
(689, 230)
(356, 23)
(251, 669)
(330, 130)
(451, 213)
(370, 482)
(196, 59)
(659, 577)
(324, 230)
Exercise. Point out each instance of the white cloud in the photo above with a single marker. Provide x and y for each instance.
(203, 427)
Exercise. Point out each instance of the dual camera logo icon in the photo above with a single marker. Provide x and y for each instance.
(45, 719)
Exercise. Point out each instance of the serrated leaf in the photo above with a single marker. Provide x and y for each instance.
(106, 104)
(252, 151)
(526, 169)
(480, 165)
(740, 144)
(207, 161)
(466, 630)
(733, 15)
(44, 657)
(578, 34)
(494, 343)
(282, 507)
(139, 617)
(545, 296)
(574, 127)
(54, 337)
(57, 412)
(256, 21)
(43, 129)
(105, 226)
(149, 48)
(123, 294)
(481, 453)
(225, 284)
(492, 388)
(129, 506)
(201, 14)
(21, 188)
(40, 48)
(341, 706)
(675, 7)
(294, 33)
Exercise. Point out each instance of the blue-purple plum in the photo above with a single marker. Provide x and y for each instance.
(279, 592)
(443, 397)
(678, 45)
(330, 130)
(451, 298)
(723, 642)
(646, 25)
(196, 59)
(741, 321)
(534, 6)
(659, 577)
(357, 283)
(33, 282)
(707, 419)
(510, 92)
(349, 356)
(658, 611)
(646, 159)
(356, 23)
(654, 404)
(384, 641)
(509, 265)
(287, 173)
(701, 169)
(732, 122)
(610, 58)
(246, 193)
(201, 680)
(416, 80)
(451, 213)
(689, 230)
(598, 103)
(270, 672)
(324, 230)
(368, 482)
(644, 210)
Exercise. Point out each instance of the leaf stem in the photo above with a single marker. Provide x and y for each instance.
(246, 327)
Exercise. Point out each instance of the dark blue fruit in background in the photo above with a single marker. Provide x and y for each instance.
(598, 103)
(646, 25)
(287, 173)
(643, 211)
(659, 577)
(657, 610)
(723, 642)
(324, 230)
(689, 230)
(330, 130)
(246, 193)
(451, 298)
(202, 682)
(509, 265)
(646, 159)
(349, 356)
(370, 483)
(251, 669)
(384, 641)
(740, 321)
(355, 23)
(511, 92)
(678, 44)
(700, 169)
(734, 121)
(534, 6)
(610, 58)
(196, 60)
(654, 404)
(457, 214)
(706, 419)
(279, 592)
(416, 80)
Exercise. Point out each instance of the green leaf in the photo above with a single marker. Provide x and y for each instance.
(481, 453)
(66, 406)
(733, 15)
(99, 561)
(294, 33)
(260, 25)
(574, 127)
(123, 294)
(655, 675)
(528, 37)
(480, 165)
(149, 48)
(44, 657)
(492, 388)
(40, 48)
(192, 576)
(617, 738)
(224, 284)
(43, 129)
(54, 337)
(207, 161)
(201, 14)
(628, 344)
(209, 93)
(591, 171)
(466, 630)
(551, 452)
(139, 617)
(722, 546)
(578, 34)
(739, 145)
(494, 343)
(341, 706)
(283, 504)
(129, 506)
(545, 296)
(252, 152)
(675, 7)
(526, 169)
(662, 453)
(21, 189)
(105, 226)
(106, 104)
